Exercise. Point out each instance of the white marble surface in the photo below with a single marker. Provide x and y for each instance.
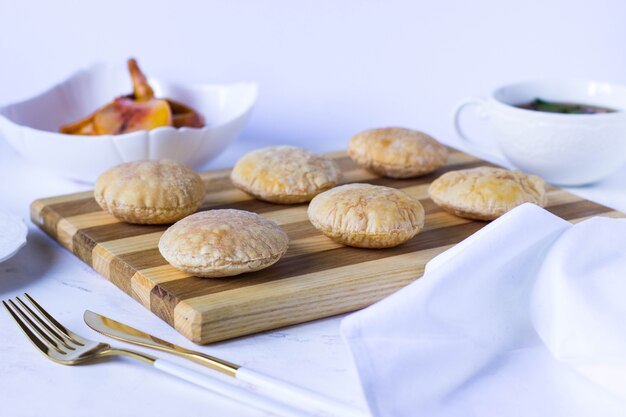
(312, 354)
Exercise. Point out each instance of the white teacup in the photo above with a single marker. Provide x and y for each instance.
(565, 149)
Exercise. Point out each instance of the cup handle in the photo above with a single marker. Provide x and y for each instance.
(469, 143)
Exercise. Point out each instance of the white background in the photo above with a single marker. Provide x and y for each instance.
(326, 69)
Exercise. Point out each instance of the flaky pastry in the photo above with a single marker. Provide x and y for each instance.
(367, 216)
(397, 153)
(285, 174)
(486, 193)
(149, 192)
(220, 243)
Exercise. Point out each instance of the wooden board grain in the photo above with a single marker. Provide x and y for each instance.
(316, 278)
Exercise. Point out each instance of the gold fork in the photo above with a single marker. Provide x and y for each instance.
(63, 346)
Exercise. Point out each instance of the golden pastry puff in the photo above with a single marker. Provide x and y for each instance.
(367, 216)
(220, 243)
(285, 174)
(149, 192)
(397, 153)
(486, 193)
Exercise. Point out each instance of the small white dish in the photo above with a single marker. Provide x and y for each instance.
(564, 149)
(31, 126)
(13, 233)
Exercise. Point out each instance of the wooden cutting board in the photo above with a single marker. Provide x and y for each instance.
(316, 278)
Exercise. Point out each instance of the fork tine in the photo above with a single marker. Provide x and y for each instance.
(28, 330)
(59, 338)
(52, 320)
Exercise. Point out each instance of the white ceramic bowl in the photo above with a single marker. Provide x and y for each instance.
(13, 233)
(31, 126)
(565, 149)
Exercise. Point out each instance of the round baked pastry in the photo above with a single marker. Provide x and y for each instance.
(285, 174)
(149, 192)
(397, 153)
(220, 243)
(367, 216)
(486, 193)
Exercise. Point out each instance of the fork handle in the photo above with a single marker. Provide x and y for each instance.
(299, 395)
(228, 390)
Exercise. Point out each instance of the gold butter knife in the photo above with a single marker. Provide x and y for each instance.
(121, 331)
(284, 390)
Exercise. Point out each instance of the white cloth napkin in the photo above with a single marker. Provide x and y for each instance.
(527, 317)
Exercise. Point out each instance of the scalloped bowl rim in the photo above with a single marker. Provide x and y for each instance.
(30, 126)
